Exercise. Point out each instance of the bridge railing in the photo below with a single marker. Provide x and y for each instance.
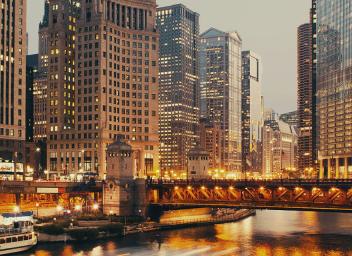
(277, 182)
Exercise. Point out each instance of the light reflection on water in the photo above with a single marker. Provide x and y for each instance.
(269, 233)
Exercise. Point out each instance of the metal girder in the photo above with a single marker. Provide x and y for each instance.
(331, 195)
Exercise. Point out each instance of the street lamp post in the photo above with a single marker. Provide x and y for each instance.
(83, 161)
(37, 156)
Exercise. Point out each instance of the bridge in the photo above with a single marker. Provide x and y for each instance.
(31, 195)
(312, 195)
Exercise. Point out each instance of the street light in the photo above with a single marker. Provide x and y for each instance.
(59, 208)
(95, 207)
(16, 209)
(83, 161)
(110, 214)
(78, 208)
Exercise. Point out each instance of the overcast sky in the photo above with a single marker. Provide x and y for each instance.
(268, 27)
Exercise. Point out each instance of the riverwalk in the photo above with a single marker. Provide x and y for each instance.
(146, 226)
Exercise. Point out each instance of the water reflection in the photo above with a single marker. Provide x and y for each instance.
(268, 233)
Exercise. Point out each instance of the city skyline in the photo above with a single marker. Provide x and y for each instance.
(264, 37)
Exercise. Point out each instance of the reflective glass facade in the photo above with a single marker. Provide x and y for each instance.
(252, 112)
(220, 73)
(334, 87)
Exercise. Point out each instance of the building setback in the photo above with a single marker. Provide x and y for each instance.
(179, 86)
(13, 49)
(334, 79)
(220, 74)
(109, 85)
(252, 112)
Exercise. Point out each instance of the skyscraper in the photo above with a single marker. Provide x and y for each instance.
(40, 83)
(60, 116)
(31, 73)
(305, 98)
(108, 86)
(334, 77)
(13, 49)
(252, 112)
(290, 117)
(179, 86)
(279, 149)
(220, 74)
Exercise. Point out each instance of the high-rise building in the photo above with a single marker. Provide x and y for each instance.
(31, 73)
(60, 108)
(305, 98)
(179, 86)
(334, 98)
(13, 50)
(252, 112)
(279, 149)
(109, 85)
(220, 74)
(40, 82)
(270, 114)
(290, 117)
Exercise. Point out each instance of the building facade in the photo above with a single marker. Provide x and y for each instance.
(40, 82)
(252, 112)
(334, 83)
(220, 74)
(109, 85)
(13, 49)
(210, 140)
(279, 150)
(179, 86)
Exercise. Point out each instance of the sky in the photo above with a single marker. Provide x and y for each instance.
(267, 27)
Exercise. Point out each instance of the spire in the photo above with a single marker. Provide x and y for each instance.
(45, 21)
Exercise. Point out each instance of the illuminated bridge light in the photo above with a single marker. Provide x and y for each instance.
(261, 188)
(281, 188)
(202, 188)
(176, 188)
(298, 189)
(189, 187)
(231, 188)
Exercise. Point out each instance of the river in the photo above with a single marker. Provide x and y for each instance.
(269, 233)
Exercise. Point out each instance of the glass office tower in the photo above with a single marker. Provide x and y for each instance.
(334, 88)
(220, 74)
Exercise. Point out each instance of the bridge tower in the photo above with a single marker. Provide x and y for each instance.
(123, 194)
(198, 164)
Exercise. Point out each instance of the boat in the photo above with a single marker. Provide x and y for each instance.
(16, 232)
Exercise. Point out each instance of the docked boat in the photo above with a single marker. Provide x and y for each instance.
(16, 233)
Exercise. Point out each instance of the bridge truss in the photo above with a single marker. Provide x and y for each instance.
(315, 195)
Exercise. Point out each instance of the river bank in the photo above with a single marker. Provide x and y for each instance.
(90, 230)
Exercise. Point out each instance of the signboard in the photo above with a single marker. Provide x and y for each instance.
(47, 190)
(6, 167)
